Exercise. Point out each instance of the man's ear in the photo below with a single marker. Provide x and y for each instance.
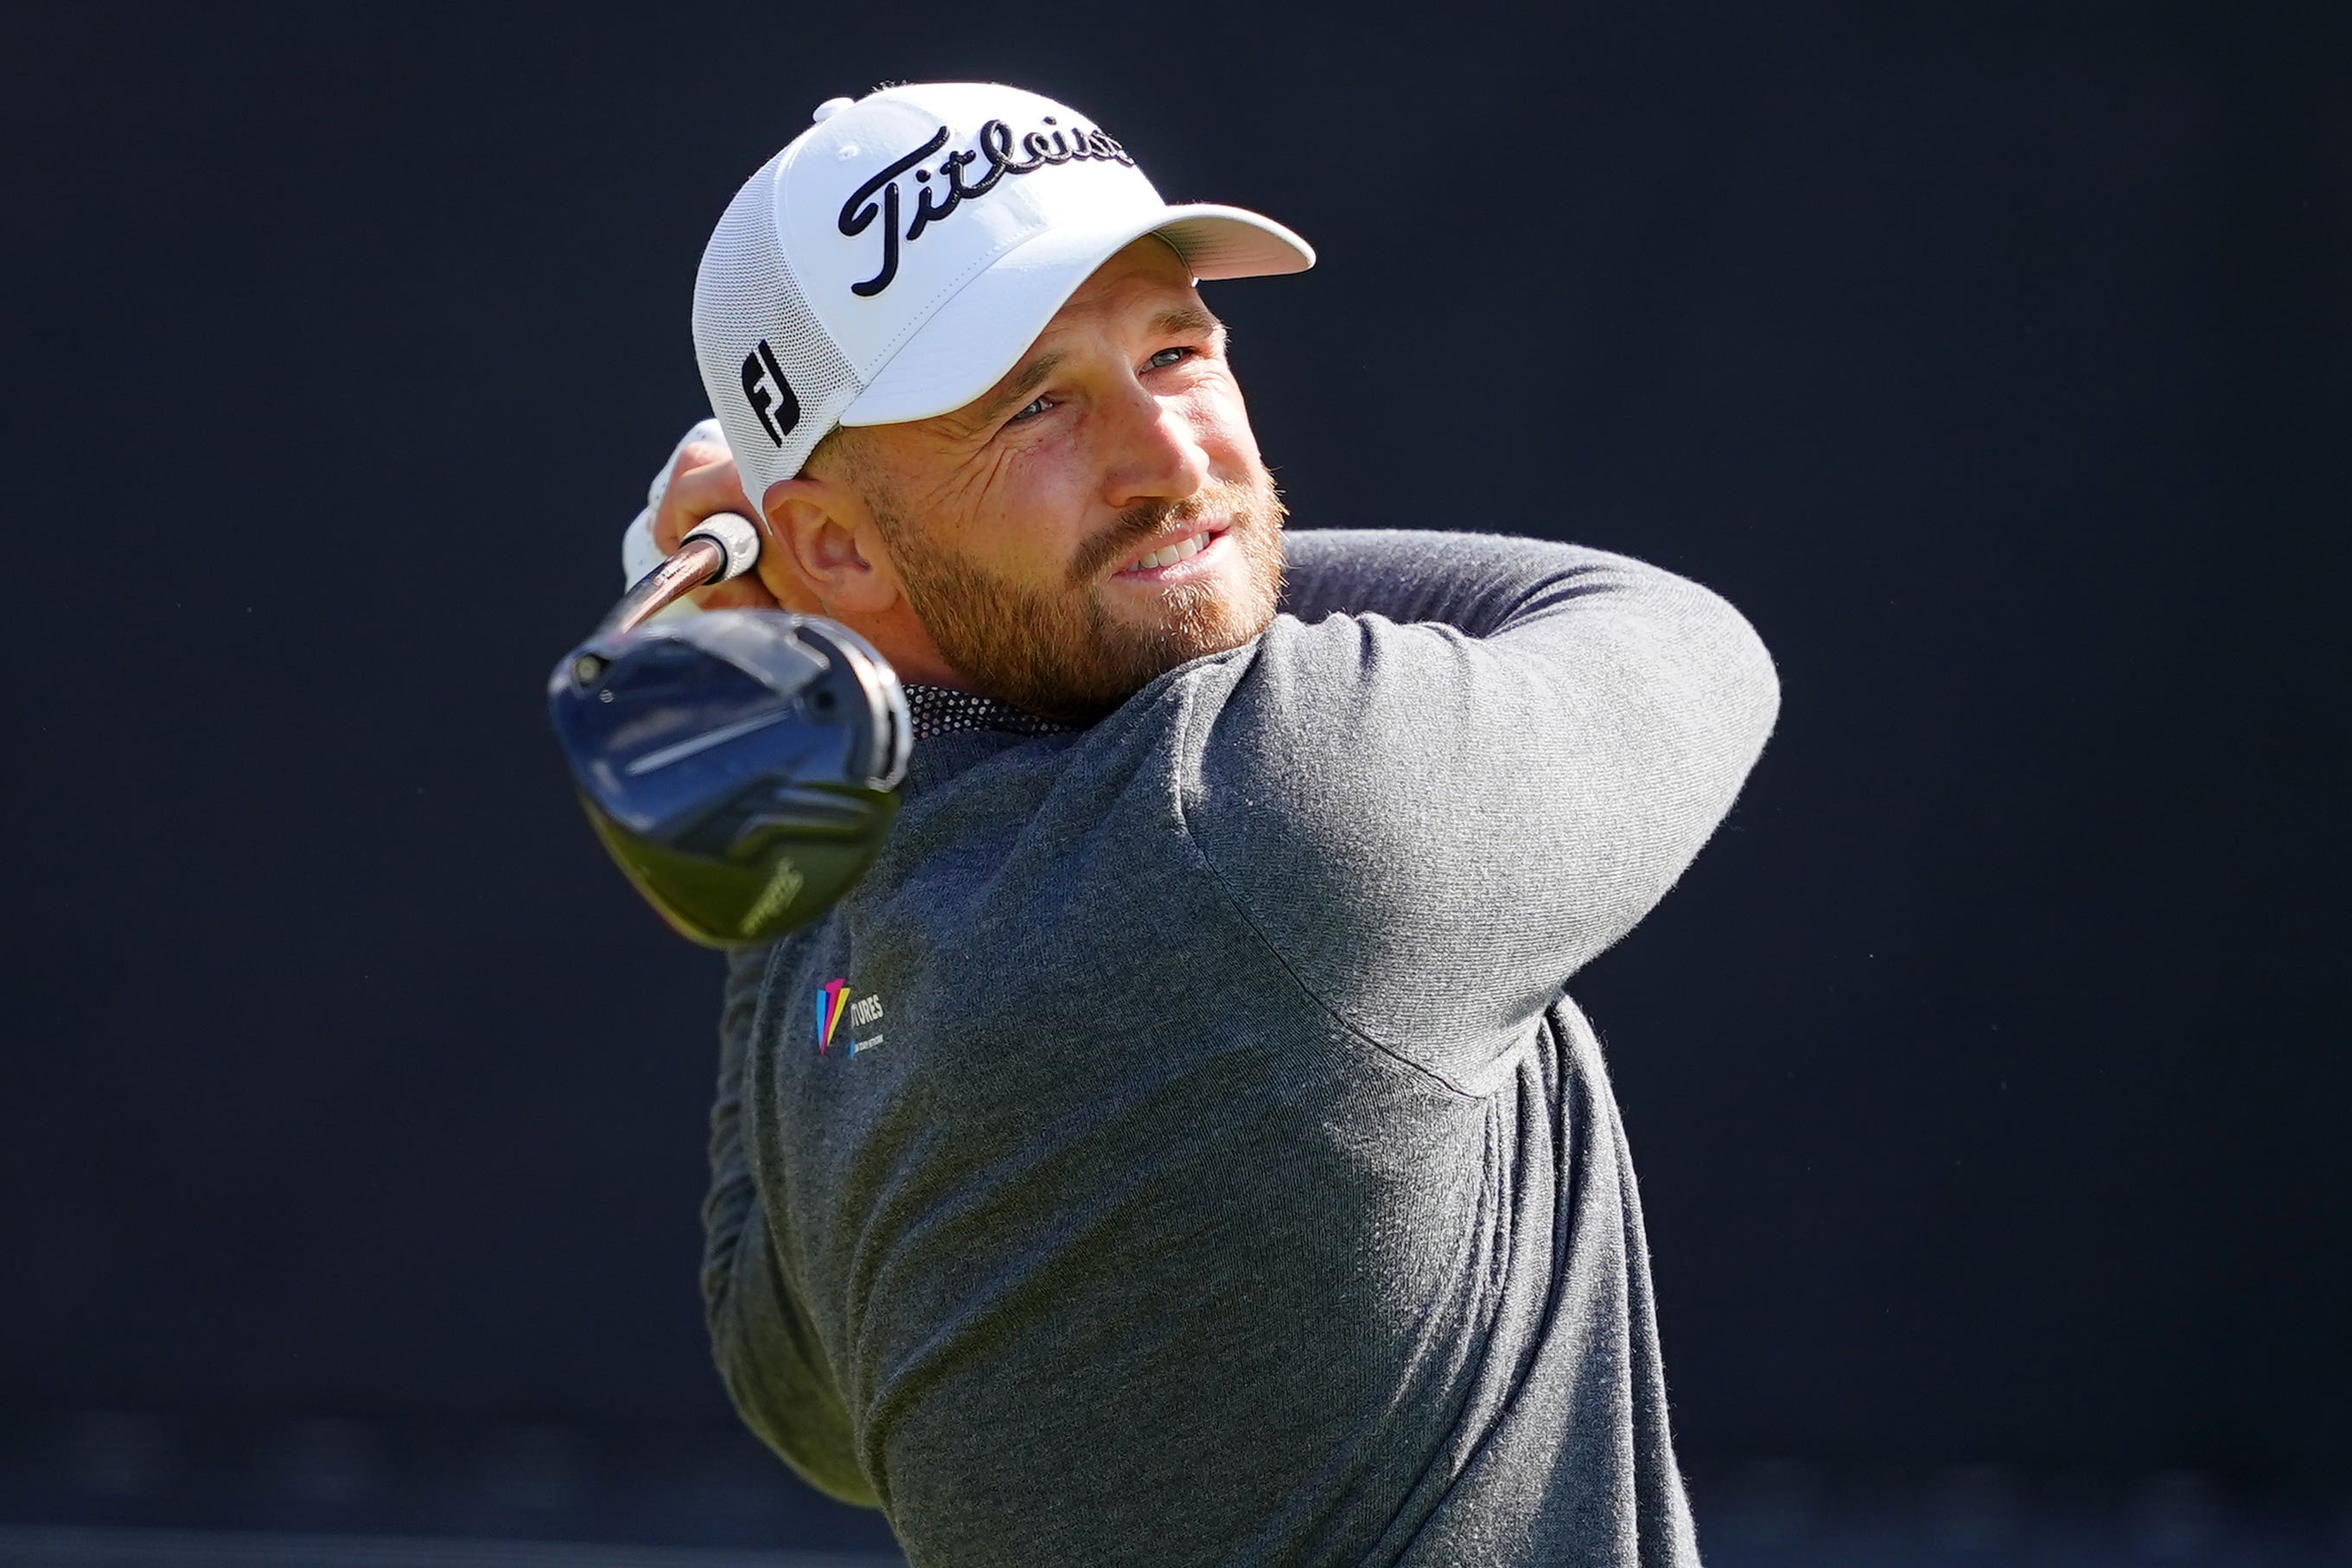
(822, 542)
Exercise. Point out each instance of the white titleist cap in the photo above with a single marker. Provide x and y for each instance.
(895, 261)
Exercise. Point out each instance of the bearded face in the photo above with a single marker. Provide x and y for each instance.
(1097, 517)
(1076, 646)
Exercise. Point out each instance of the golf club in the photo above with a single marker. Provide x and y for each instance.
(739, 765)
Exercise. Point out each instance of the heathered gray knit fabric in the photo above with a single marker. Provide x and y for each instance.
(1206, 1164)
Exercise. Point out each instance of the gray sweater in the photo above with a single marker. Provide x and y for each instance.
(1180, 1148)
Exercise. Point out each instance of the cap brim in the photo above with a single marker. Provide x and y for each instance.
(982, 331)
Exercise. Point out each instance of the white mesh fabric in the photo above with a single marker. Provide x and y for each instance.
(744, 294)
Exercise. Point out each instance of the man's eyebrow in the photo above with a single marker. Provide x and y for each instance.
(1016, 392)
(1187, 320)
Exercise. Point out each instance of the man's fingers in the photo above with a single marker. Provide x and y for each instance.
(702, 483)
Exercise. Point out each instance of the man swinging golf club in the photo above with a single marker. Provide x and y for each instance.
(1180, 1147)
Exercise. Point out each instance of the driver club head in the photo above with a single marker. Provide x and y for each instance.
(739, 765)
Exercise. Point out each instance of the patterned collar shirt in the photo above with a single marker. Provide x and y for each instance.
(940, 711)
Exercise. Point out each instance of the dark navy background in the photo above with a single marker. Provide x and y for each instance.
(1983, 1076)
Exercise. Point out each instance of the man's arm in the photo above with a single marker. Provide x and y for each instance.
(767, 1352)
(1459, 579)
(1469, 766)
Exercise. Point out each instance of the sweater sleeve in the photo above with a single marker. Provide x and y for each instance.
(1460, 767)
(767, 1350)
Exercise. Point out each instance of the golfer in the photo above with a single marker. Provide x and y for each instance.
(1180, 1149)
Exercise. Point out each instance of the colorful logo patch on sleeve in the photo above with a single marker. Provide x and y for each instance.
(831, 1001)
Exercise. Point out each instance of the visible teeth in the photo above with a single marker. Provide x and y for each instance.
(1182, 550)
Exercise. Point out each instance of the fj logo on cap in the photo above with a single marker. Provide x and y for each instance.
(778, 411)
(1040, 149)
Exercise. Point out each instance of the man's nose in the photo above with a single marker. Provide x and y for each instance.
(1155, 452)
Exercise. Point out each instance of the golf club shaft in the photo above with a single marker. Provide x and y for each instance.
(689, 567)
(721, 546)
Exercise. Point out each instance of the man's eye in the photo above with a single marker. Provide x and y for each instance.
(1032, 412)
(1167, 357)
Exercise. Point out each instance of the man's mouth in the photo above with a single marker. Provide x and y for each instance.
(1166, 561)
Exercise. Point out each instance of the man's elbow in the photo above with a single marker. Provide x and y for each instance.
(1743, 694)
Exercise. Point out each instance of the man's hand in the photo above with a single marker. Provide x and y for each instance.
(701, 482)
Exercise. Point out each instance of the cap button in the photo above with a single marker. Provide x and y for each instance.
(829, 108)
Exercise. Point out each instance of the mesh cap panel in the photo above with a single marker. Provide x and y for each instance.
(753, 328)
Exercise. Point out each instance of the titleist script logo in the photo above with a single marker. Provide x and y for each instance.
(777, 411)
(880, 197)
